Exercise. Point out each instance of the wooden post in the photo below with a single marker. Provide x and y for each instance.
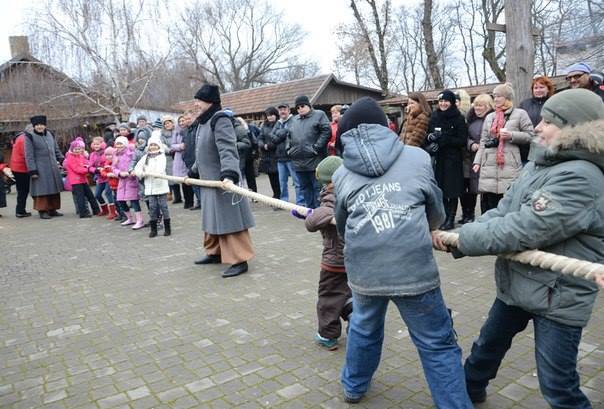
(519, 47)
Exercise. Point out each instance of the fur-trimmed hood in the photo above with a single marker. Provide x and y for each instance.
(584, 141)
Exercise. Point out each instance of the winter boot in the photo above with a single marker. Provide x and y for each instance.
(139, 221)
(153, 232)
(104, 210)
(167, 227)
(450, 210)
(111, 212)
(129, 219)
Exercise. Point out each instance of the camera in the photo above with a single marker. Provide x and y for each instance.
(491, 143)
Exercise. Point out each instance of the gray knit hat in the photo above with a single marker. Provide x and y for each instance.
(572, 107)
(505, 90)
(124, 125)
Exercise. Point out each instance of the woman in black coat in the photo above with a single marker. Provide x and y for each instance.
(268, 155)
(448, 133)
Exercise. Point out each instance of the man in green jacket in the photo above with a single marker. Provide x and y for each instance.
(556, 205)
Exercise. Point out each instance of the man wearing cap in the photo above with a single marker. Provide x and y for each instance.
(309, 134)
(142, 128)
(556, 205)
(43, 156)
(579, 76)
(285, 166)
(226, 217)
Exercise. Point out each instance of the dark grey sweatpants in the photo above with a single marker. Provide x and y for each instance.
(158, 204)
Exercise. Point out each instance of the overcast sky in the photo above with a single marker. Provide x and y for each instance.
(318, 18)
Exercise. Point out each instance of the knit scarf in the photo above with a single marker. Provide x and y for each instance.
(498, 123)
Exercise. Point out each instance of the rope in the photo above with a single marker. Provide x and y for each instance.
(536, 258)
(541, 259)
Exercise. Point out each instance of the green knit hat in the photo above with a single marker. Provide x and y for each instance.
(326, 169)
(572, 107)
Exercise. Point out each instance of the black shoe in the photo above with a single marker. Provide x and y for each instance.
(45, 216)
(177, 201)
(153, 232)
(447, 225)
(21, 215)
(188, 206)
(54, 213)
(211, 259)
(478, 397)
(352, 399)
(167, 227)
(235, 270)
(85, 216)
(196, 207)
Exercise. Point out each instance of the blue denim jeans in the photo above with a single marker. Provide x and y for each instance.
(286, 169)
(556, 348)
(98, 193)
(309, 187)
(431, 330)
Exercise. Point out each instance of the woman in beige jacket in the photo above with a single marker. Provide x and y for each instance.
(498, 158)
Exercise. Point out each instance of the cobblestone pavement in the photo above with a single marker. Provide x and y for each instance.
(94, 315)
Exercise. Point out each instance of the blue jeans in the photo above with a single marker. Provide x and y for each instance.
(556, 348)
(286, 169)
(98, 193)
(309, 187)
(197, 191)
(431, 330)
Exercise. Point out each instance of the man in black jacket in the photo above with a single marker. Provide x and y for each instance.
(188, 155)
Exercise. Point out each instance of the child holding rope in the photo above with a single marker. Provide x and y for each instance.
(556, 205)
(156, 189)
(335, 298)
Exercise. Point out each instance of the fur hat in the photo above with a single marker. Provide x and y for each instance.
(326, 168)
(38, 120)
(140, 118)
(122, 139)
(302, 100)
(573, 107)
(505, 90)
(109, 150)
(364, 111)
(447, 95)
(208, 93)
(167, 118)
(124, 125)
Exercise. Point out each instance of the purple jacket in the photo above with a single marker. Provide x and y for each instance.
(127, 188)
(178, 166)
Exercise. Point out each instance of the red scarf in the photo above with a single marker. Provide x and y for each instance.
(498, 123)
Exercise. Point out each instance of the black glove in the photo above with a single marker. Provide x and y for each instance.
(431, 148)
(227, 174)
(456, 253)
(193, 173)
(491, 143)
(433, 137)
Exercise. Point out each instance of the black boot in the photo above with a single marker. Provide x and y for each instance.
(44, 215)
(167, 227)
(176, 192)
(450, 210)
(153, 232)
(235, 270)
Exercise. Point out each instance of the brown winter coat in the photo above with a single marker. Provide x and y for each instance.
(320, 219)
(493, 178)
(414, 130)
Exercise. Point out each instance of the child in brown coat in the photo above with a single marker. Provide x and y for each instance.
(335, 298)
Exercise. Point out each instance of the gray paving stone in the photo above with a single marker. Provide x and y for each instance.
(153, 324)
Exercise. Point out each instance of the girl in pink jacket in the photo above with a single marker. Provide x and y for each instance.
(76, 166)
(127, 188)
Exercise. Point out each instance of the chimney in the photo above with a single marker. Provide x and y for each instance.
(19, 46)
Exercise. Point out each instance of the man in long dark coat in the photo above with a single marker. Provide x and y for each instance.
(226, 217)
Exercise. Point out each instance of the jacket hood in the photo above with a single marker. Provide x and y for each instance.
(584, 141)
(370, 149)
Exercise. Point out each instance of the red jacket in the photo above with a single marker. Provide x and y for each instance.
(17, 158)
(331, 145)
(76, 167)
(113, 182)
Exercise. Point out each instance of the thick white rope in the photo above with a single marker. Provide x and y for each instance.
(537, 258)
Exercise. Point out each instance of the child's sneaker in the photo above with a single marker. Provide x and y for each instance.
(330, 344)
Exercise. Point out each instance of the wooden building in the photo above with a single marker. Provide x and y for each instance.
(324, 91)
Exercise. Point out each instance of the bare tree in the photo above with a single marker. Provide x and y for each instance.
(431, 55)
(103, 43)
(239, 44)
(493, 51)
(375, 33)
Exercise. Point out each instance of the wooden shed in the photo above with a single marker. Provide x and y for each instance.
(324, 91)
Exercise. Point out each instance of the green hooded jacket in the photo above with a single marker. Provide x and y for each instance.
(556, 205)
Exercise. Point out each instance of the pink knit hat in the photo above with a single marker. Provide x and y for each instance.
(77, 143)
